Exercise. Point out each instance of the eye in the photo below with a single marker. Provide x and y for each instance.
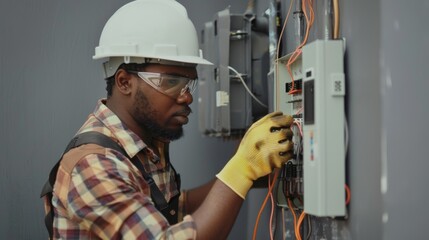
(172, 81)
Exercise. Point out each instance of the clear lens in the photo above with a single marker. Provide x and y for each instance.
(173, 86)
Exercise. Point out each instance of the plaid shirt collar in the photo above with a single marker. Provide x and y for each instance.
(127, 138)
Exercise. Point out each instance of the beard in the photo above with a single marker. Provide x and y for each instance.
(144, 115)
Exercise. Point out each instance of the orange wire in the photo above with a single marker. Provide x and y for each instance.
(296, 223)
(292, 59)
(300, 220)
(289, 203)
(309, 20)
(278, 49)
(348, 192)
(271, 216)
(309, 23)
(270, 188)
(336, 19)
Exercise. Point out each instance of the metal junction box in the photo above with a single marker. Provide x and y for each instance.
(232, 41)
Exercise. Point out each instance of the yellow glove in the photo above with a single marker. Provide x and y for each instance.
(266, 144)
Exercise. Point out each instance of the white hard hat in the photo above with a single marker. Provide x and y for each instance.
(159, 30)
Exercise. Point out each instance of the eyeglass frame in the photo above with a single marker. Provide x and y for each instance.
(189, 87)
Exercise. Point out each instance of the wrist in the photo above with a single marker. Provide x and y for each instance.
(234, 176)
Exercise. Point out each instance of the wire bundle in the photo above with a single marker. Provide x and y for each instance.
(298, 218)
(309, 19)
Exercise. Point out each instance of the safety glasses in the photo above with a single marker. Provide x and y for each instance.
(170, 85)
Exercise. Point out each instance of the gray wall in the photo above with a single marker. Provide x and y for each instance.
(361, 26)
(404, 91)
(49, 83)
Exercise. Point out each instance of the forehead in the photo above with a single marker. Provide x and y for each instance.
(184, 71)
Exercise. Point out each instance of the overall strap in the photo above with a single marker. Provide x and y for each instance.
(156, 194)
(107, 142)
(78, 140)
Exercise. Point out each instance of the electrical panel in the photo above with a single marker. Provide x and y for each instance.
(291, 187)
(315, 179)
(239, 52)
(324, 119)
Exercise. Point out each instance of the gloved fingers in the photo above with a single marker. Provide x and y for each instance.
(280, 139)
(286, 146)
(281, 152)
(283, 121)
(283, 133)
(283, 157)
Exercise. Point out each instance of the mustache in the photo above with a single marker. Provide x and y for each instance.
(185, 111)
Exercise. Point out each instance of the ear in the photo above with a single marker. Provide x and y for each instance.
(123, 82)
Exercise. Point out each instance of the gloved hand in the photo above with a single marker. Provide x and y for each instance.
(267, 144)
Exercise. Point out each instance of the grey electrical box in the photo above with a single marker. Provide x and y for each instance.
(324, 121)
(232, 41)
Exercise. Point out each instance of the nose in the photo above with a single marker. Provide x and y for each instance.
(186, 97)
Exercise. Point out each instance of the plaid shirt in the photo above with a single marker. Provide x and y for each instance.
(106, 197)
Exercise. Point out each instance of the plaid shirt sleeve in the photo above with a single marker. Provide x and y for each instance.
(107, 198)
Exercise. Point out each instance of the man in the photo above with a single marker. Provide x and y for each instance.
(103, 193)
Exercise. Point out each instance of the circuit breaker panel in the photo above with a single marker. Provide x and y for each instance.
(313, 90)
(288, 98)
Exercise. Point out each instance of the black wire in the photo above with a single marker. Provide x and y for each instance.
(281, 177)
(275, 222)
(284, 189)
(309, 227)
